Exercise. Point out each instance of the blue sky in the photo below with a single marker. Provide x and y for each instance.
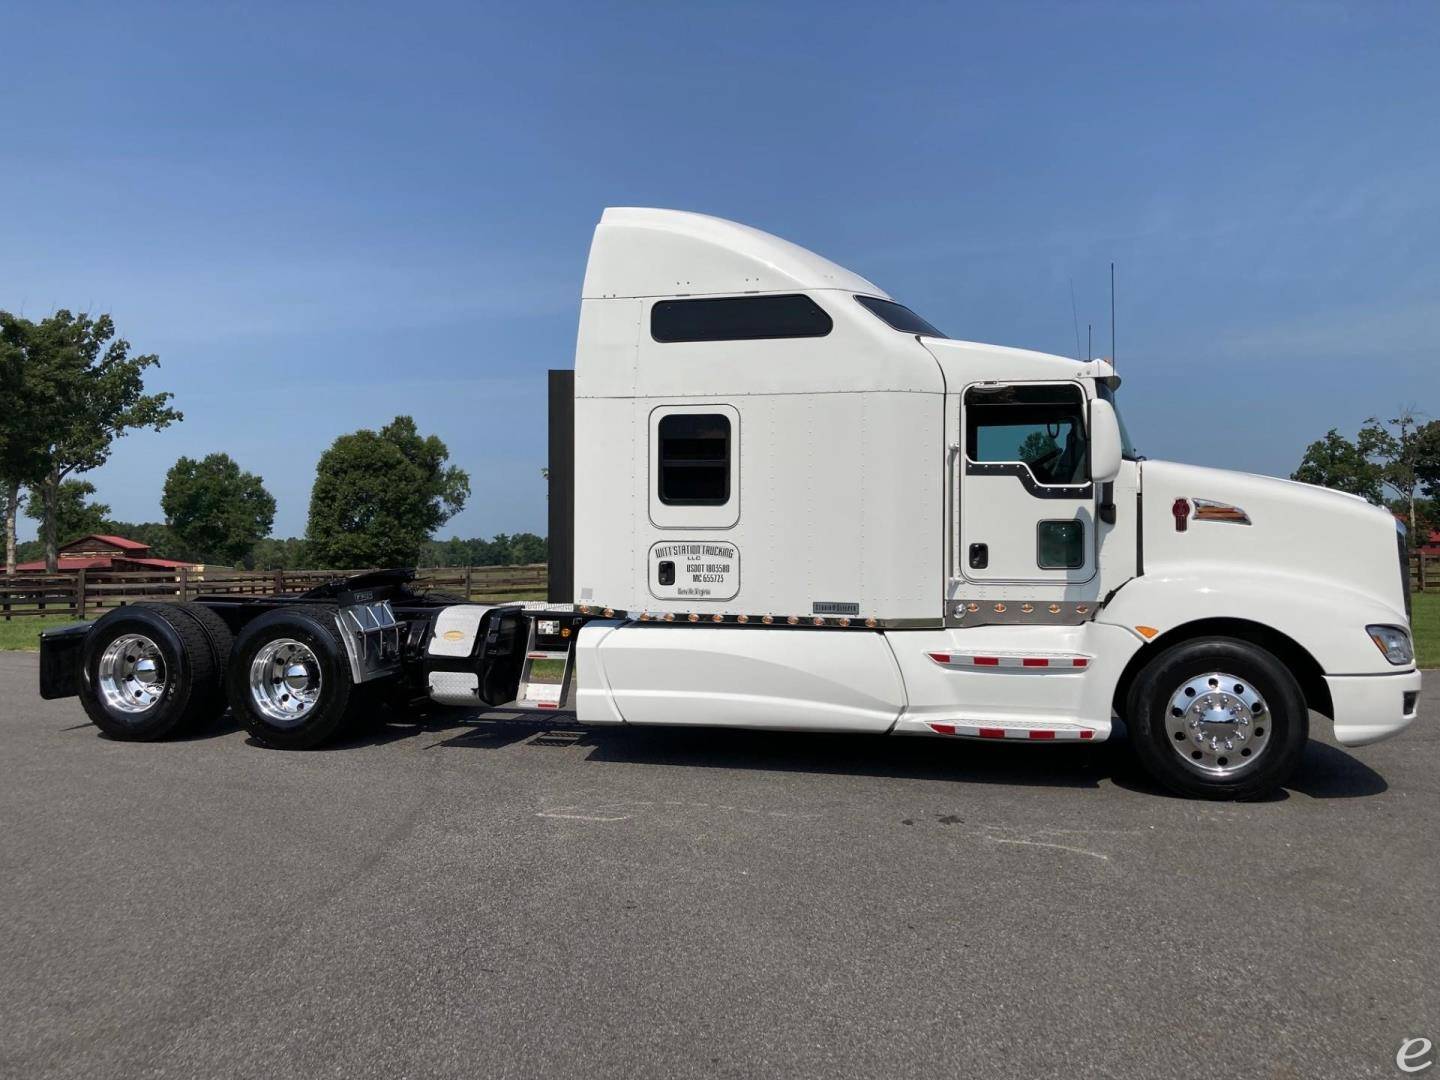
(320, 217)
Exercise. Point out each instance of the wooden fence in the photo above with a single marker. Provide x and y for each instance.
(1424, 571)
(82, 594)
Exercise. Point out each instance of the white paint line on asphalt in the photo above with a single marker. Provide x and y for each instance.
(612, 811)
(1059, 847)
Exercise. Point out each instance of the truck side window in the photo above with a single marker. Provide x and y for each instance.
(694, 459)
(1042, 427)
(739, 318)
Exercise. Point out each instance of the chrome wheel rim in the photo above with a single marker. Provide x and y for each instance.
(131, 674)
(1218, 723)
(285, 681)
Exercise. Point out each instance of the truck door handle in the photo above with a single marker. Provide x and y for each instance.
(666, 572)
(979, 556)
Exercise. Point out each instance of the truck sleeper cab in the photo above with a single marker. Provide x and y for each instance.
(798, 505)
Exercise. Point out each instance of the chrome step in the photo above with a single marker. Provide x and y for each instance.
(544, 696)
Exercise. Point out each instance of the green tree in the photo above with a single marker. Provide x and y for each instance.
(1336, 462)
(272, 554)
(1428, 458)
(75, 514)
(216, 511)
(526, 548)
(378, 497)
(1405, 451)
(10, 503)
(502, 550)
(1037, 446)
(22, 426)
(86, 390)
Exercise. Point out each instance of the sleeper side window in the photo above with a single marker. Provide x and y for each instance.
(1040, 427)
(739, 318)
(694, 459)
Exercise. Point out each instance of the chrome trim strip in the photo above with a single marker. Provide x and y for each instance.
(968, 611)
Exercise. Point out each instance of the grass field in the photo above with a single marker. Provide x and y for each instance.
(25, 634)
(1425, 623)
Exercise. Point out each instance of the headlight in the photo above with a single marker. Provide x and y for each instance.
(1394, 642)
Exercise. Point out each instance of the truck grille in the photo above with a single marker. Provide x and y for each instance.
(1404, 569)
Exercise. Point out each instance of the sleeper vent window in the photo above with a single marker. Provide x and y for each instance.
(738, 318)
(898, 316)
(695, 459)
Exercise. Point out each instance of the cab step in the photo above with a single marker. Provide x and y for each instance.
(544, 696)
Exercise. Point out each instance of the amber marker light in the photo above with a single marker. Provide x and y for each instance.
(1147, 632)
(1209, 510)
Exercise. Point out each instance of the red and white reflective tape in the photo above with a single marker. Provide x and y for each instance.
(1052, 662)
(970, 731)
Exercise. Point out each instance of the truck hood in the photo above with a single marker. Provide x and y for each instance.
(1296, 530)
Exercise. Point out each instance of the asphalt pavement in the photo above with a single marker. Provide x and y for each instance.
(443, 899)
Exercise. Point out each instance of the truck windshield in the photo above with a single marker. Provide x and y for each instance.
(1127, 449)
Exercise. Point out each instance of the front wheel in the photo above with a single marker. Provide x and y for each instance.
(1218, 718)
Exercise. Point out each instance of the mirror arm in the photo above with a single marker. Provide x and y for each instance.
(1106, 509)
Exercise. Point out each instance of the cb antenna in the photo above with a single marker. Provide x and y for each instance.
(1089, 348)
(1075, 318)
(1113, 364)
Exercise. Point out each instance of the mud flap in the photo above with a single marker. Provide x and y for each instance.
(60, 660)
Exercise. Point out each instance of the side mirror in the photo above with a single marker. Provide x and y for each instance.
(1105, 446)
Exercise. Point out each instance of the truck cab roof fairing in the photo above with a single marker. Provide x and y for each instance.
(644, 252)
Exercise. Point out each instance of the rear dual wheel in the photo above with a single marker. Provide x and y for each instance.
(289, 682)
(151, 671)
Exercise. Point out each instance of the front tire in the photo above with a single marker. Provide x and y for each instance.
(289, 681)
(1218, 718)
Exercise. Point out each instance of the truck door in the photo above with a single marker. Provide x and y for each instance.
(1027, 505)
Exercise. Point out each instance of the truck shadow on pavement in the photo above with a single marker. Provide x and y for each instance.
(1326, 772)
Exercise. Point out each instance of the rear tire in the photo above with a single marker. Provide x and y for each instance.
(220, 641)
(147, 672)
(289, 679)
(1218, 718)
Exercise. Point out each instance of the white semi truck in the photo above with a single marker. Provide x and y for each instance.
(782, 500)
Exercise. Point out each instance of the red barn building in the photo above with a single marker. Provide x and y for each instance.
(96, 552)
